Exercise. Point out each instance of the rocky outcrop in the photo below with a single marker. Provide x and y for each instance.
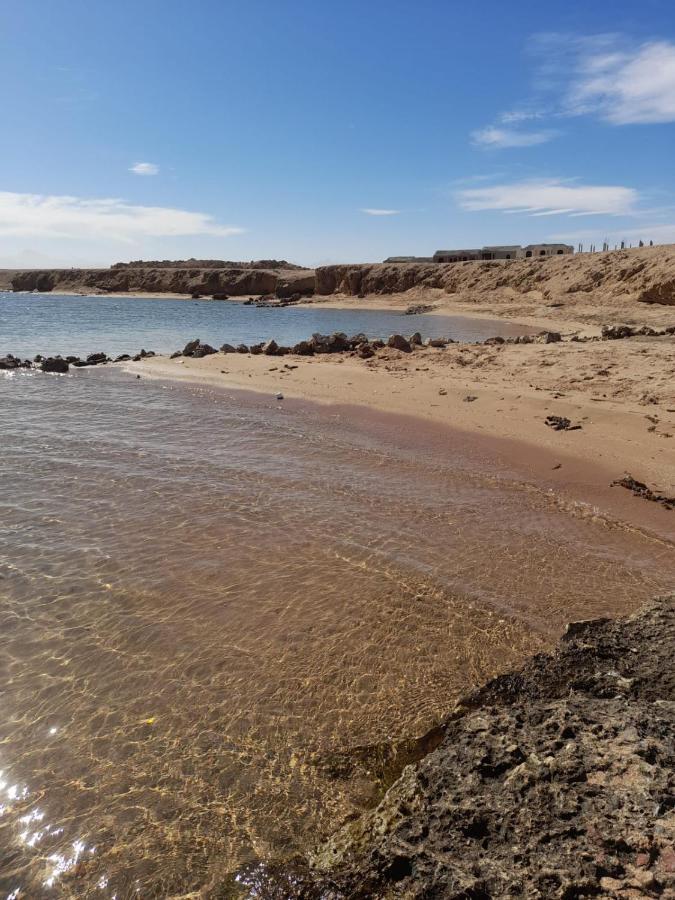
(229, 281)
(555, 781)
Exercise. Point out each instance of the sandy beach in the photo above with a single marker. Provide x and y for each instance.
(621, 393)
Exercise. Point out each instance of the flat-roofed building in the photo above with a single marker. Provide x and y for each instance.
(501, 251)
(408, 259)
(456, 255)
(539, 250)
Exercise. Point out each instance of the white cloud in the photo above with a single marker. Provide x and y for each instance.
(549, 197)
(36, 215)
(145, 168)
(626, 87)
(381, 212)
(496, 137)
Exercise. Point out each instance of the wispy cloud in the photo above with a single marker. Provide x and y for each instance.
(37, 215)
(607, 76)
(381, 212)
(630, 87)
(495, 137)
(144, 168)
(549, 197)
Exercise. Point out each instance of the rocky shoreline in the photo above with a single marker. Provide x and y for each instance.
(555, 781)
(337, 342)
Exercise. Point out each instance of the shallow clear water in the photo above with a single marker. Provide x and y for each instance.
(51, 323)
(202, 594)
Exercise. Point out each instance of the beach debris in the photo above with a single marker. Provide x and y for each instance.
(54, 364)
(398, 342)
(557, 466)
(442, 392)
(470, 398)
(640, 489)
(561, 423)
(280, 397)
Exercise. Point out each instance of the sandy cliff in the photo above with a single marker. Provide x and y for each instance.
(622, 279)
(643, 275)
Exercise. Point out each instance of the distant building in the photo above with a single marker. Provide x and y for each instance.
(547, 250)
(503, 251)
(408, 259)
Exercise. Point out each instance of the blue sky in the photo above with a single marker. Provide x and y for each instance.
(325, 132)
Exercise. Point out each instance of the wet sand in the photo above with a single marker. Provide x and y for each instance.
(622, 393)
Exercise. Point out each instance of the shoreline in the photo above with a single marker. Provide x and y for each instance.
(415, 394)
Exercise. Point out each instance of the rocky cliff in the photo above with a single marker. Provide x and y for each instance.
(645, 275)
(556, 781)
(624, 277)
(233, 281)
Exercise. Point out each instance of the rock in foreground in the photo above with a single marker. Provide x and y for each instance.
(553, 782)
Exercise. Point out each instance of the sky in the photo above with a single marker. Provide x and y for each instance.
(324, 132)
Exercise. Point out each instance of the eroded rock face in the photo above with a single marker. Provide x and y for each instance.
(556, 781)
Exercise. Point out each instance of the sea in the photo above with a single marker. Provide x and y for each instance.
(207, 597)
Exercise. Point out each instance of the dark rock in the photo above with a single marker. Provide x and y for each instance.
(416, 339)
(176, 354)
(548, 782)
(616, 332)
(357, 339)
(365, 351)
(196, 295)
(256, 349)
(203, 350)
(220, 296)
(640, 489)
(197, 349)
(438, 342)
(270, 348)
(124, 357)
(9, 362)
(190, 347)
(54, 364)
(398, 342)
(228, 348)
(242, 348)
(418, 309)
(96, 359)
(560, 423)
(495, 340)
(303, 348)
(330, 343)
(548, 337)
